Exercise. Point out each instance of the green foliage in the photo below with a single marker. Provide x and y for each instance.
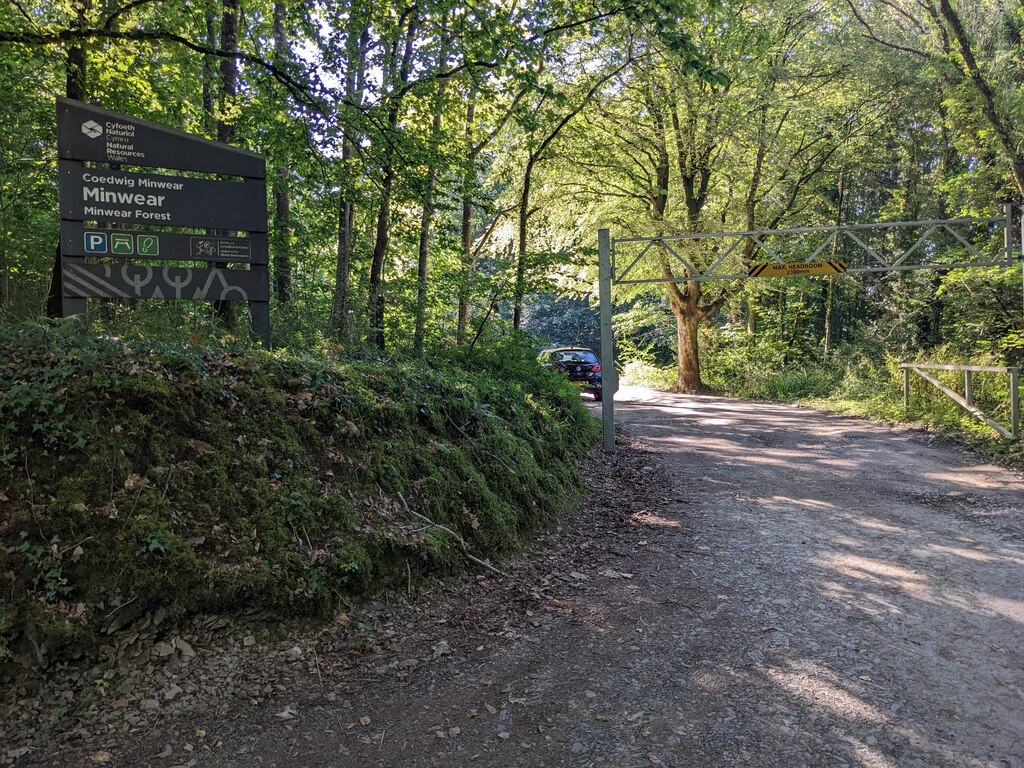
(204, 479)
(641, 373)
(874, 389)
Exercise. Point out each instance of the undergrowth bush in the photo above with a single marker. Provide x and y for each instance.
(762, 366)
(137, 475)
(639, 373)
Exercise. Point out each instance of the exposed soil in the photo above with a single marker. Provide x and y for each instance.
(748, 584)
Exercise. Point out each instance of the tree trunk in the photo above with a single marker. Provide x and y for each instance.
(524, 213)
(423, 255)
(75, 89)
(687, 349)
(282, 199)
(468, 181)
(375, 304)
(996, 118)
(283, 235)
(524, 205)
(829, 296)
(228, 72)
(356, 46)
(380, 246)
(225, 117)
(209, 73)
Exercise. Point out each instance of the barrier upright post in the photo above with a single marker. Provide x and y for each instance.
(609, 376)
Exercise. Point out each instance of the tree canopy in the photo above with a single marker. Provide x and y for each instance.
(439, 170)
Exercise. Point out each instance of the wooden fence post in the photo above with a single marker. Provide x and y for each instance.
(1014, 403)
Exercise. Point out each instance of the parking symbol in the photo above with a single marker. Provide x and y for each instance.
(148, 245)
(121, 244)
(95, 242)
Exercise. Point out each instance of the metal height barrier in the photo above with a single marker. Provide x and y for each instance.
(966, 401)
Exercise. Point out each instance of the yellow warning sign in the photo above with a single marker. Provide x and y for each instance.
(798, 269)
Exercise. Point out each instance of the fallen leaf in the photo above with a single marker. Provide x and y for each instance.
(134, 481)
(350, 726)
(100, 757)
(441, 649)
(364, 720)
(167, 751)
(201, 447)
(611, 574)
(288, 712)
(491, 708)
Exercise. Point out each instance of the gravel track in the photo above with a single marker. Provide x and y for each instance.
(749, 584)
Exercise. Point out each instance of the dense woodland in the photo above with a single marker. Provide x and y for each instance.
(439, 171)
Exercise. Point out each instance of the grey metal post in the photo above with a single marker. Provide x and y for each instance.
(609, 376)
(906, 388)
(1014, 403)
(1008, 229)
(968, 388)
(1021, 256)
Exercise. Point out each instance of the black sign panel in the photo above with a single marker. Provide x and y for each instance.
(132, 281)
(148, 202)
(85, 132)
(77, 239)
(90, 194)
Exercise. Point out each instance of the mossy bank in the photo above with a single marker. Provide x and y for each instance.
(135, 477)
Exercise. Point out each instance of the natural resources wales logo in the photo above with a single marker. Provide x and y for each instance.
(92, 129)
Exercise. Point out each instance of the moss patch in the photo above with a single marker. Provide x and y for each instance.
(139, 477)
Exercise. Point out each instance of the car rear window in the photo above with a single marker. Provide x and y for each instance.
(575, 356)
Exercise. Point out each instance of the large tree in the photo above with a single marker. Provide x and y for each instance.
(684, 154)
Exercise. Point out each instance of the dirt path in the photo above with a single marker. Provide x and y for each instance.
(750, 585)
(866, 601)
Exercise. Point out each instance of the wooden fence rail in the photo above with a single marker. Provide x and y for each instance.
(966, 401)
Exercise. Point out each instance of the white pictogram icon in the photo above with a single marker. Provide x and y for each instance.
(92, 129)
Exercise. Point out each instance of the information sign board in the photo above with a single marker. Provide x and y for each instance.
(88, 194)
(78, 239)
(85, 132)
(96, 253)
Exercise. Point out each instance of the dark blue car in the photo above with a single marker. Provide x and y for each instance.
(578, 363)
